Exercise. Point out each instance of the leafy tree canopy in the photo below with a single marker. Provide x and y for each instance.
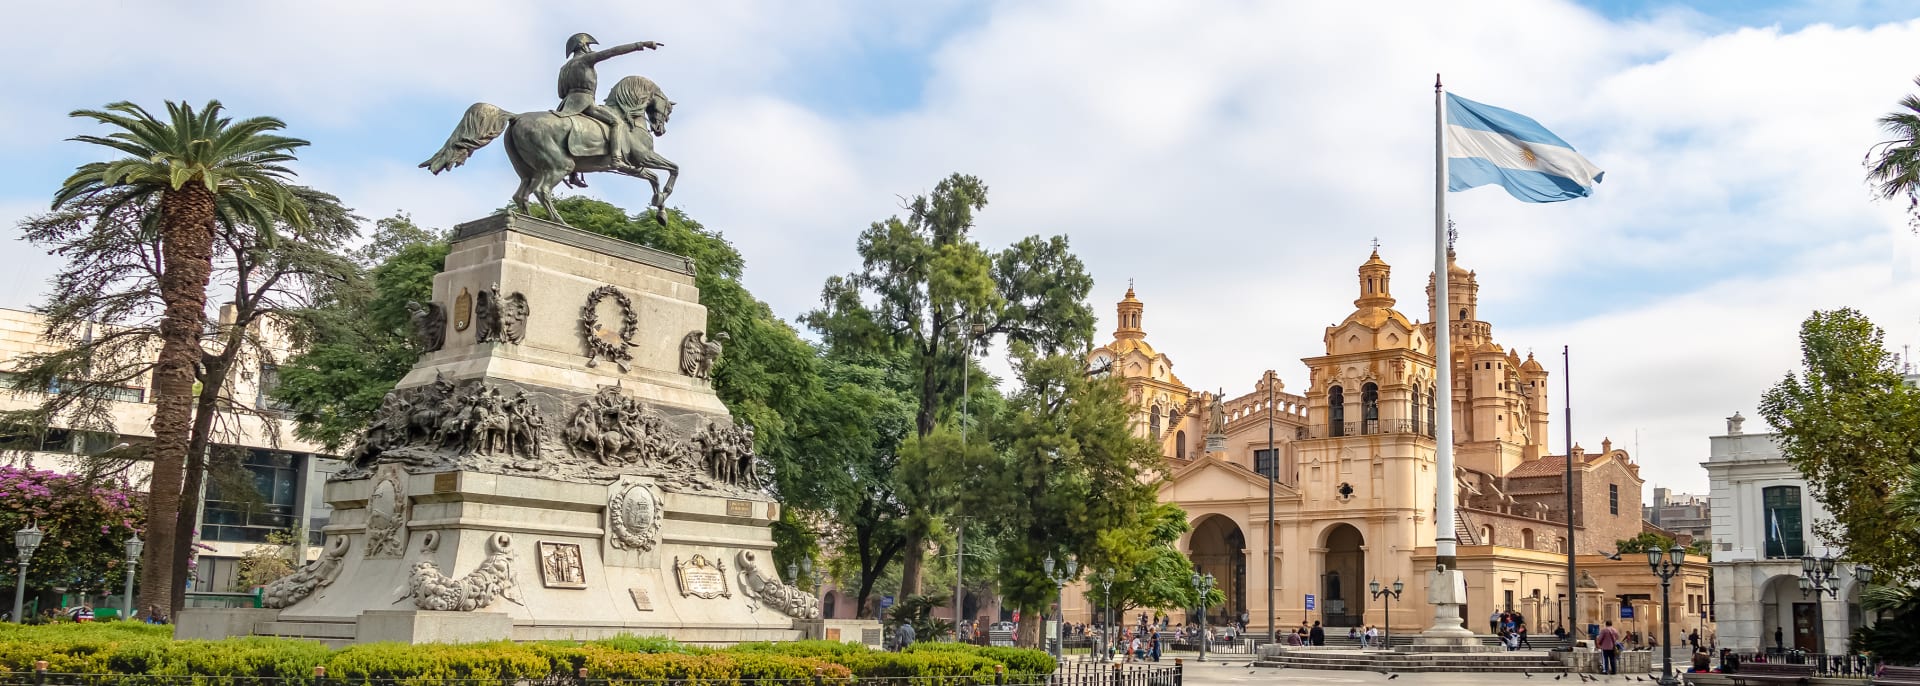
(1849, 423)
(86, 523)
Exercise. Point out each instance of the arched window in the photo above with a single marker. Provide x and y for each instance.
(1432, 427)
(1180, 444)
(1416, 412)
(1370, 408)
(1486, 535)
(1153, 422)
(1173, 418)
(1526, 539)
(1336, 411)
(827, 603)
(1463, 314)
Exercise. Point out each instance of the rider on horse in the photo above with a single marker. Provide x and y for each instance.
(579, 83)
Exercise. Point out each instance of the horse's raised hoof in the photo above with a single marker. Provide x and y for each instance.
(660, 215)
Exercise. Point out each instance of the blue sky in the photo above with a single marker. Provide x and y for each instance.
(1234, 158)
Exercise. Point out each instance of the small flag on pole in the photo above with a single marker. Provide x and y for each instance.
(1488, 145)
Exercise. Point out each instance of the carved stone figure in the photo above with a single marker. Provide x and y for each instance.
(698, 354)
(603, 342)
(726, 452)
(633, 518)
(561, 565)
(287, 590)
(765, 589)
(498, 318)
(1217, 416)
(386, 515)
(548, 147)
(614, 429)
(493, 578)
(429, 325)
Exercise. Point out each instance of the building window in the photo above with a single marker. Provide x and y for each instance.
(1416, 410)
(269, 380)
(1613, 498)
(1153, 422)
(258, 502)
(1370, 408)
(1264, 462)
(1781, 517)
(1432, 426)
(1180, 444)
(1526, 539)
(1336, 411)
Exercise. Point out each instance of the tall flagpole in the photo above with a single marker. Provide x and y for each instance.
(1573, 597)
(1446, 590)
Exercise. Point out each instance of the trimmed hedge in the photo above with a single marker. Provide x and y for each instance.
(130, 648)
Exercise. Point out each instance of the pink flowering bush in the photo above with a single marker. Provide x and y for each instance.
(86, 526)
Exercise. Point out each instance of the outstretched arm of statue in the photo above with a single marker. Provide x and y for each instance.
(619, 50)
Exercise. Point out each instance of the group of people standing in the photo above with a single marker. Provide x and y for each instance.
(1511, 627)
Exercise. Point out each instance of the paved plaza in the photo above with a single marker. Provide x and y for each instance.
(1236, 671)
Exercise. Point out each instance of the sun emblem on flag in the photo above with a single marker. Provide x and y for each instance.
(1526, 153)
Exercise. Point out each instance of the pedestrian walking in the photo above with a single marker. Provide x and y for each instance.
(1609, 645)
(1493, 622)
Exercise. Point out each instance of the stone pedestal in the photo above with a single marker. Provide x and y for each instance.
(1447, 591)
(556, 466)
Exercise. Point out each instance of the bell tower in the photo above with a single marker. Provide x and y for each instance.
(1129, 311)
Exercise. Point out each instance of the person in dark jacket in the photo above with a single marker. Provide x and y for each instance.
(1317, 636)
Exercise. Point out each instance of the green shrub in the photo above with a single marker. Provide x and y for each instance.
(1017, 660)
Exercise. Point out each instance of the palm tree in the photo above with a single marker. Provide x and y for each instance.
(195, 168)
(1893, 165)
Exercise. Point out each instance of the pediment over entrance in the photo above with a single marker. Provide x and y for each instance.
(1209, 479)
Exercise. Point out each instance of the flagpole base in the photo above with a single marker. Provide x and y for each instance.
(1447, 591)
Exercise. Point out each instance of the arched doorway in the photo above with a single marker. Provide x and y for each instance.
(827, 604)
(1220, 548)
(1796, 616)
(1343, 579)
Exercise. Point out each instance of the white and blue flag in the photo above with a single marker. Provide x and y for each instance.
(1489, 145)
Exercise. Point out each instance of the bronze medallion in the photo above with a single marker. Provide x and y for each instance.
(463, 310)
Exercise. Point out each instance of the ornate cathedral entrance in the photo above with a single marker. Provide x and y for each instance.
(1220, 548)
(1343, 583)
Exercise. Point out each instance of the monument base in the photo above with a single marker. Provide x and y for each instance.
(423, 626)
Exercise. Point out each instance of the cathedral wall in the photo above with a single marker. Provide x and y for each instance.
(1604, 524)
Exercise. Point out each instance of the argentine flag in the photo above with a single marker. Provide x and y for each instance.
(1489, 145)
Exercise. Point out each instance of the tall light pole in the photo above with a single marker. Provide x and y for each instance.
(24, 541)
(1273, 473)
(1665, 565)
(1821, 575)
(1059, 588)
(1386, 595)
(1202, 585)
(1106, 613)
(133, 560)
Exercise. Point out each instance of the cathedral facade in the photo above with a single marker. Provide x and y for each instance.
(1349, 464)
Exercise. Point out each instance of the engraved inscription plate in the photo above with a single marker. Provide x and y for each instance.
(739, 508)
(446, 482)
(641, 601)
(702, 578)
(463, 310)
(561, 566)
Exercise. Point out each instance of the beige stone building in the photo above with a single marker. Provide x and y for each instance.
(287, 473)
(1352, 461)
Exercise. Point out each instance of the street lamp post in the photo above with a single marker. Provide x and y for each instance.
(1106, 614)
(1202, 585)
(1666, 564)
(1822, 575)
(1060, 592)
(1386, 595)
(24, 541)
(133, 560)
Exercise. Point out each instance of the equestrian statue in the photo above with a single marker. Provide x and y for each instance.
(579, 136)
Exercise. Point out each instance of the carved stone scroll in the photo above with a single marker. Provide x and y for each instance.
(287, 590)
(493, 578)
(762, 589)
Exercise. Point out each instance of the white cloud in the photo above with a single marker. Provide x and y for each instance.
(1235, 158)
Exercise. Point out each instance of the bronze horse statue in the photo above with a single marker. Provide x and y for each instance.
(548, 148)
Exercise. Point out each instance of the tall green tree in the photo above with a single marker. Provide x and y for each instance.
(1893, 165)
(1849, 423)
(106, 311)
(927, 289)
(1147, 571)
(192, 168)
(1068, 469)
